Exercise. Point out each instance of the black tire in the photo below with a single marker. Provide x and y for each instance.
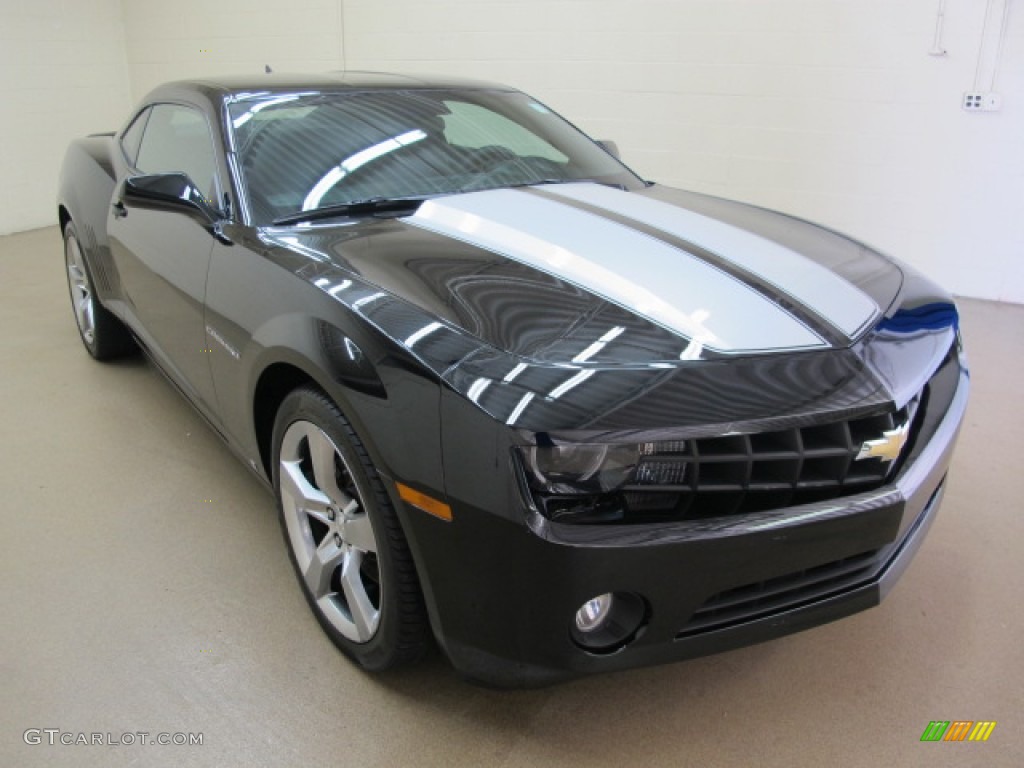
(310, 425)
(104, 336)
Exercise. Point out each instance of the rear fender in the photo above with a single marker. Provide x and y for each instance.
(85, 189)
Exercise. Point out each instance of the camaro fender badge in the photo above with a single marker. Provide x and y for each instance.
(212, 333)
(887, 447)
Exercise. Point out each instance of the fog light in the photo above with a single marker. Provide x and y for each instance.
(609, 622)
(594, 613)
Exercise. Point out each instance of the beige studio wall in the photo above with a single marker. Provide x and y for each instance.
(834, 110)
(63, 73)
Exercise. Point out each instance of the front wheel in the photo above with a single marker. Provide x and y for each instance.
(343, 535)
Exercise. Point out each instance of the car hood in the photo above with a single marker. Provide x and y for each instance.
(578, 309)
(583, 274)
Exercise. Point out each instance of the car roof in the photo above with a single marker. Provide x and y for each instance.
(325, 81)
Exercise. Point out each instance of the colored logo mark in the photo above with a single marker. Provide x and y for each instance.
(958, 730)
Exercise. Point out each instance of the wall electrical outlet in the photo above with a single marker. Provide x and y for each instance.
(976, 101)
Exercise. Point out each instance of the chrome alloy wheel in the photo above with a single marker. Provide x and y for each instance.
(81, 291)
(329, 531)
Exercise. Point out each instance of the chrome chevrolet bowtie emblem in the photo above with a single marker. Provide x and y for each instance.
(888, 446)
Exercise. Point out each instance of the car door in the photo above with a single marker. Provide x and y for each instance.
(163, 255)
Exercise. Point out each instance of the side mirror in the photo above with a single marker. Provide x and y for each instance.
(168, 191)
(611, 148)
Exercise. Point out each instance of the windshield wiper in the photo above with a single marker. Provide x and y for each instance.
(370, 205)
(542, 182)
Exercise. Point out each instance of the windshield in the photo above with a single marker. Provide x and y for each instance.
(301, 152)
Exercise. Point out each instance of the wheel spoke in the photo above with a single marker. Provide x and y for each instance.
(81, 293)
(326, 559)
(87, 314)
(322, 452)
(359, 533)
(81, 304)
(364, 615)
(310, 500)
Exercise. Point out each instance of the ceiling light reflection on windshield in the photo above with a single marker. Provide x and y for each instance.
(390, 145)
(246, 116)
(359, 159)
(322, 187)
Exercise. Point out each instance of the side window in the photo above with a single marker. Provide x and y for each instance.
(474, 126)
(131, 138)
(177, 140)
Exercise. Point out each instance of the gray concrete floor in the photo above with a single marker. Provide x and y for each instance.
(145, 587)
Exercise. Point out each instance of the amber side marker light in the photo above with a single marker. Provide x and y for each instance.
(424, 502)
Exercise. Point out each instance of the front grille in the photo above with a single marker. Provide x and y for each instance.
(698, 478)
(734, 474)
(764, 598)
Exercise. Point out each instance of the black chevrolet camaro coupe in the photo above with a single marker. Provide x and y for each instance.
(506, 393)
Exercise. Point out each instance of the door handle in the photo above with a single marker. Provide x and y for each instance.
(119, 210)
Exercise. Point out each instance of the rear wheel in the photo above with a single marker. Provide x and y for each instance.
(103, 335)
(343, 535)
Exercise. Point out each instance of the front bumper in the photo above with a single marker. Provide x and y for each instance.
(502, 595)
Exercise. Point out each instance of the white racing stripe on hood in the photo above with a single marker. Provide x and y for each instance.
(838, 302)
(647, 276)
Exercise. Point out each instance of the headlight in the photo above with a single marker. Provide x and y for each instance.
(606, 482)
(580, 468)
